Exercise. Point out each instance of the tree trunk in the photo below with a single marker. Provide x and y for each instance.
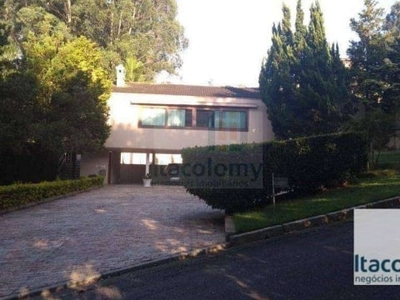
(119, 25)
(68, 11)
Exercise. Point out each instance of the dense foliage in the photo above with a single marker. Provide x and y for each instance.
(57, 61)
(20, 195)
(303, 82)
(53, 101)
(308, 90)
(316, 162)
(144, 32)
(309, 164)
(375, 73)
(225, 177)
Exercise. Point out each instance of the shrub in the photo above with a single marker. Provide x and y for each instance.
(225, 176)
(315, 162)
(19, 195)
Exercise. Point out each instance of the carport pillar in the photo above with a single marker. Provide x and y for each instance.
(147, 163)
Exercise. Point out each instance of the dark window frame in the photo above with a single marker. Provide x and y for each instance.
(194, 110)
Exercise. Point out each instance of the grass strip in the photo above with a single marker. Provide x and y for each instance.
(379, 186)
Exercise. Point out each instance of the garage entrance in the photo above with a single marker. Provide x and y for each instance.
(133, 164)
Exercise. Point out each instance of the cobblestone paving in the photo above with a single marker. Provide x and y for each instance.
(117, 226)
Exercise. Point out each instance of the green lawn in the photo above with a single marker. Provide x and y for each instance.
(389, 160)
(384, 184)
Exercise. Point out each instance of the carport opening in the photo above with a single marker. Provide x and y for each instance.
(133, 164)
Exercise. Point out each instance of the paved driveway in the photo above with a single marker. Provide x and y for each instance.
(114, 227)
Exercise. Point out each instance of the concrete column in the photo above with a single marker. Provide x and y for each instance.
(147, 163)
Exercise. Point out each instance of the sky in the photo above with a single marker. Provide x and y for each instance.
(228, 39)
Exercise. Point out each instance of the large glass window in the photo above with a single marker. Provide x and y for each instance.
(233, 120)
(213, 119)
(206, 118)
(188, 118)
(161, 117)
(165, 159)
(221, 119)
(176, 117)
(153, 116)
(129, 158)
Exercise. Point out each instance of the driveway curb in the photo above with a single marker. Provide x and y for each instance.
(269, 232)
(117, 272)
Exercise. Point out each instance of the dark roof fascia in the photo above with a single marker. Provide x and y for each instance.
(189, 90)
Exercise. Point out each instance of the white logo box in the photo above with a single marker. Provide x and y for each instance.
(376, 247)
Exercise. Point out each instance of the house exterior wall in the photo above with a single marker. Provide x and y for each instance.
(394, 143)
(128, 136)
(95, 164)
(126, 133)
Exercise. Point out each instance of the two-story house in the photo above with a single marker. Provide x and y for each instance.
(151, 123)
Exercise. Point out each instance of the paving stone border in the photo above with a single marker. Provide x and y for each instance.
(277, 230)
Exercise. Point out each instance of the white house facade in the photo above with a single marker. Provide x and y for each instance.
(152, 123)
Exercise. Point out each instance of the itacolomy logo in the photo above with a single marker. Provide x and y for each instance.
(376, 247)
(209, 173)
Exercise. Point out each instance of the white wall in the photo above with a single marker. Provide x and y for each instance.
(125, 134)
(94, 164)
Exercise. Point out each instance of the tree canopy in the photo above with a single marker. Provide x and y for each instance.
(303, 81)
(72, 112)
(57, 63)
(375, 72)
(142, 30)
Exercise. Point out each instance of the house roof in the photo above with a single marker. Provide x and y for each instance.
(189, 90)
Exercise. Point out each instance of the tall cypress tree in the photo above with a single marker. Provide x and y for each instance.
(276, 80)
(323, 82)
(391, 64)
(300, 32)
(312, 96)
(367, 55)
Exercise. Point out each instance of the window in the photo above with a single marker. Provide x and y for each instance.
(179, 117)
(153, 117)
(221, 119)
(165, 159)
(233, 120)
(176, 117)
(188, 118)
(212, 119)
(129, 158)
(206, 118)
(162, 117)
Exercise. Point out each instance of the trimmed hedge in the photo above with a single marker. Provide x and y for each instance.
(225, 177)
(315, 162)
(19, 195)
